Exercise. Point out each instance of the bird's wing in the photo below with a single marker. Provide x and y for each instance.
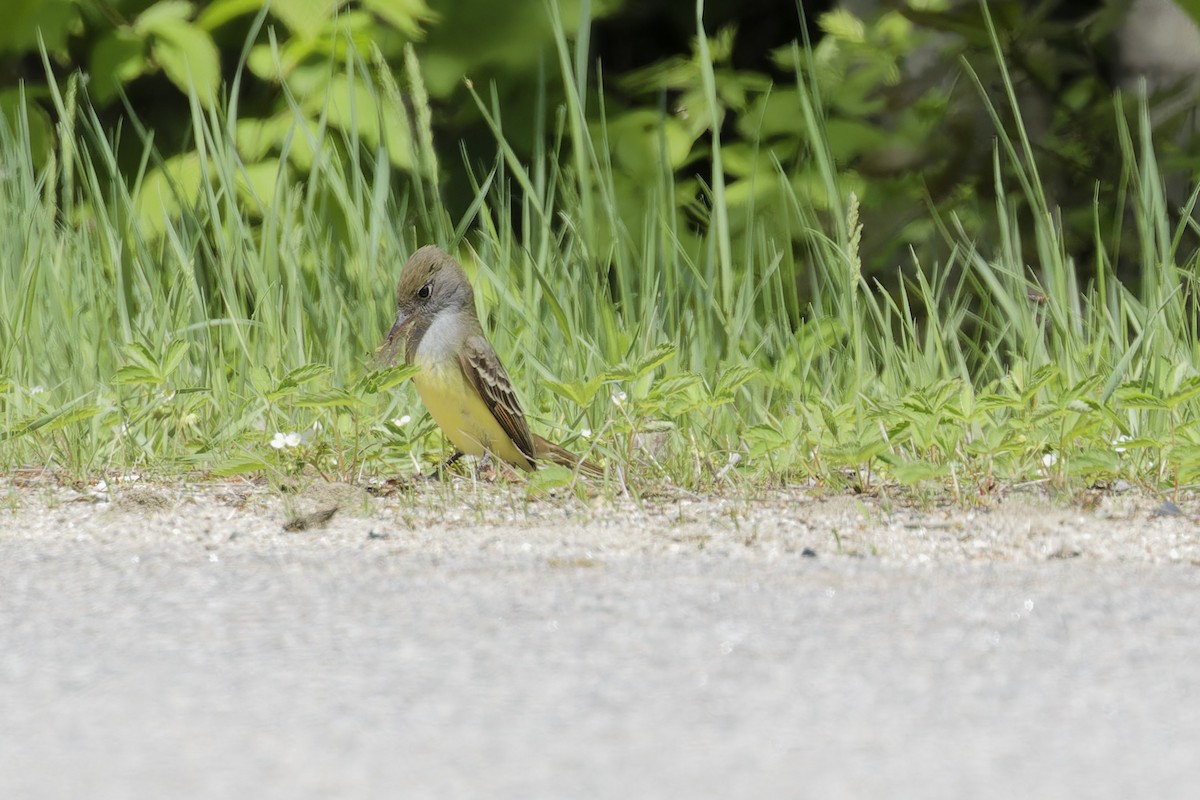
(485, 372)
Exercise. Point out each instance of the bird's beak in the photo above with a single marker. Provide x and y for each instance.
(386, 352)
(399, 327)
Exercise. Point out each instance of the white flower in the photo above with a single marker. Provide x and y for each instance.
(400, 422)
(282, 440)
(619, 398)
(1049, 460)
(1120, 440)
(586, 433)
(37, 389)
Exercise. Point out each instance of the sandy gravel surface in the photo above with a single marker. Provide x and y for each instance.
(465, 641)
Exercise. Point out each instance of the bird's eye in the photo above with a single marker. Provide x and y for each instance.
(425, 291)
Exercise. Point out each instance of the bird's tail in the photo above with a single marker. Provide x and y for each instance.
(543, 449)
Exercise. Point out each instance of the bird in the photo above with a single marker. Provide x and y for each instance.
(460, 380)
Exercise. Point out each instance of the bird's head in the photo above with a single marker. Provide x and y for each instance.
(431, 282)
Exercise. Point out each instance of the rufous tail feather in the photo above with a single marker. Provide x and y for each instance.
(544, 449)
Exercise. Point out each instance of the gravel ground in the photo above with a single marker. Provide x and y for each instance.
(177, 641)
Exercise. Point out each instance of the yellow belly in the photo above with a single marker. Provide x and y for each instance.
(463, 416)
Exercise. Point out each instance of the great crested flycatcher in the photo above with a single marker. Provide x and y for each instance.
(461, 380)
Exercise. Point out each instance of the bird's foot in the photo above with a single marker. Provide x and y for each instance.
(440, 471)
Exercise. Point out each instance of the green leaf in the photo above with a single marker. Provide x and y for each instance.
(22, 101)
(383, 380)
(1131, 396)
(733, 379)
(117, 58)
(1188, 391)
(913, 472)
(329, 398)
(132, 374)
(25, 20)
(673, 385)
(186, 52)
(843, 25)
(580, 393)
(550, 476)
(163, 12)
(352, 106)
(763, 439)
(218, 12)
(174, 356)
(857, 453)
(659, 355)
(53, 421)
(298, 377)
(1092, 461)
(1041, 377)
(239, 465)
(406, 16)
(145, 367)
(66, 416)
(305, 18)
(160, 193)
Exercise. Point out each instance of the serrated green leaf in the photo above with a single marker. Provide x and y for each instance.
(550, 476)
(673, 385)
(1135, 397)
(142, 356)
(133, 374)
(298, 377)
(992, 402)
(1041, 377)
(913, 472)
(657, 356)
(843, 25)
(577, 392)
(856, 454)
(260, 379)
(174, 356)
(329, 398)
(733, 379)
(1092, 461)
(1188, 391)
(238, 465)
(383, 380)
(764, 439)
(65, 417)
(53, 421)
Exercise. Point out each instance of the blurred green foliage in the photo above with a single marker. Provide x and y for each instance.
(902, 100)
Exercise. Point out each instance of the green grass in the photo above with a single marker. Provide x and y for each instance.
(177, 327)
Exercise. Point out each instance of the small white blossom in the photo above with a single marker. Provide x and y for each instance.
(282, 440)
(37, 389)
(586, 433)
(1120, 440)
(619, 398)
(1049, 460)
(400, 422)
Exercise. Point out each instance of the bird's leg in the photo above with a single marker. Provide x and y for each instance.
(440, 470)
(485, 471)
